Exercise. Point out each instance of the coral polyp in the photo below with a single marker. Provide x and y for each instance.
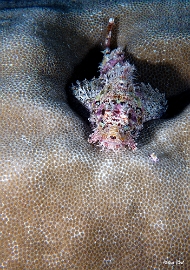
(118, 106)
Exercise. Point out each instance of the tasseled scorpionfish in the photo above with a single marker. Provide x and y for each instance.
(118, 107)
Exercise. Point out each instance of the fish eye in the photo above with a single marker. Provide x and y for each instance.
(126, 128)
(133, 132)
(138, 109)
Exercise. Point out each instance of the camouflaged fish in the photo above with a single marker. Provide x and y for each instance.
(118, 107)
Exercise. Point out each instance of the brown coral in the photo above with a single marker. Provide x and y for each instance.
(65, 204)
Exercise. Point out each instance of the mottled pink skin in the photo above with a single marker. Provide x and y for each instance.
(108, 131)
(111, 144)
(110, 64)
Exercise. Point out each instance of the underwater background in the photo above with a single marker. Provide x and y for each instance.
(65, 203)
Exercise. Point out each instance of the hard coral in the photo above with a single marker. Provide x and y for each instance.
(64, 205)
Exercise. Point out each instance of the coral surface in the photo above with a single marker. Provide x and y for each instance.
(65, 204)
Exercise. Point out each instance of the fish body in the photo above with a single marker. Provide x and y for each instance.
(118, 106)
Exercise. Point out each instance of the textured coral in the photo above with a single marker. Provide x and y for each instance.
(65, 204)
